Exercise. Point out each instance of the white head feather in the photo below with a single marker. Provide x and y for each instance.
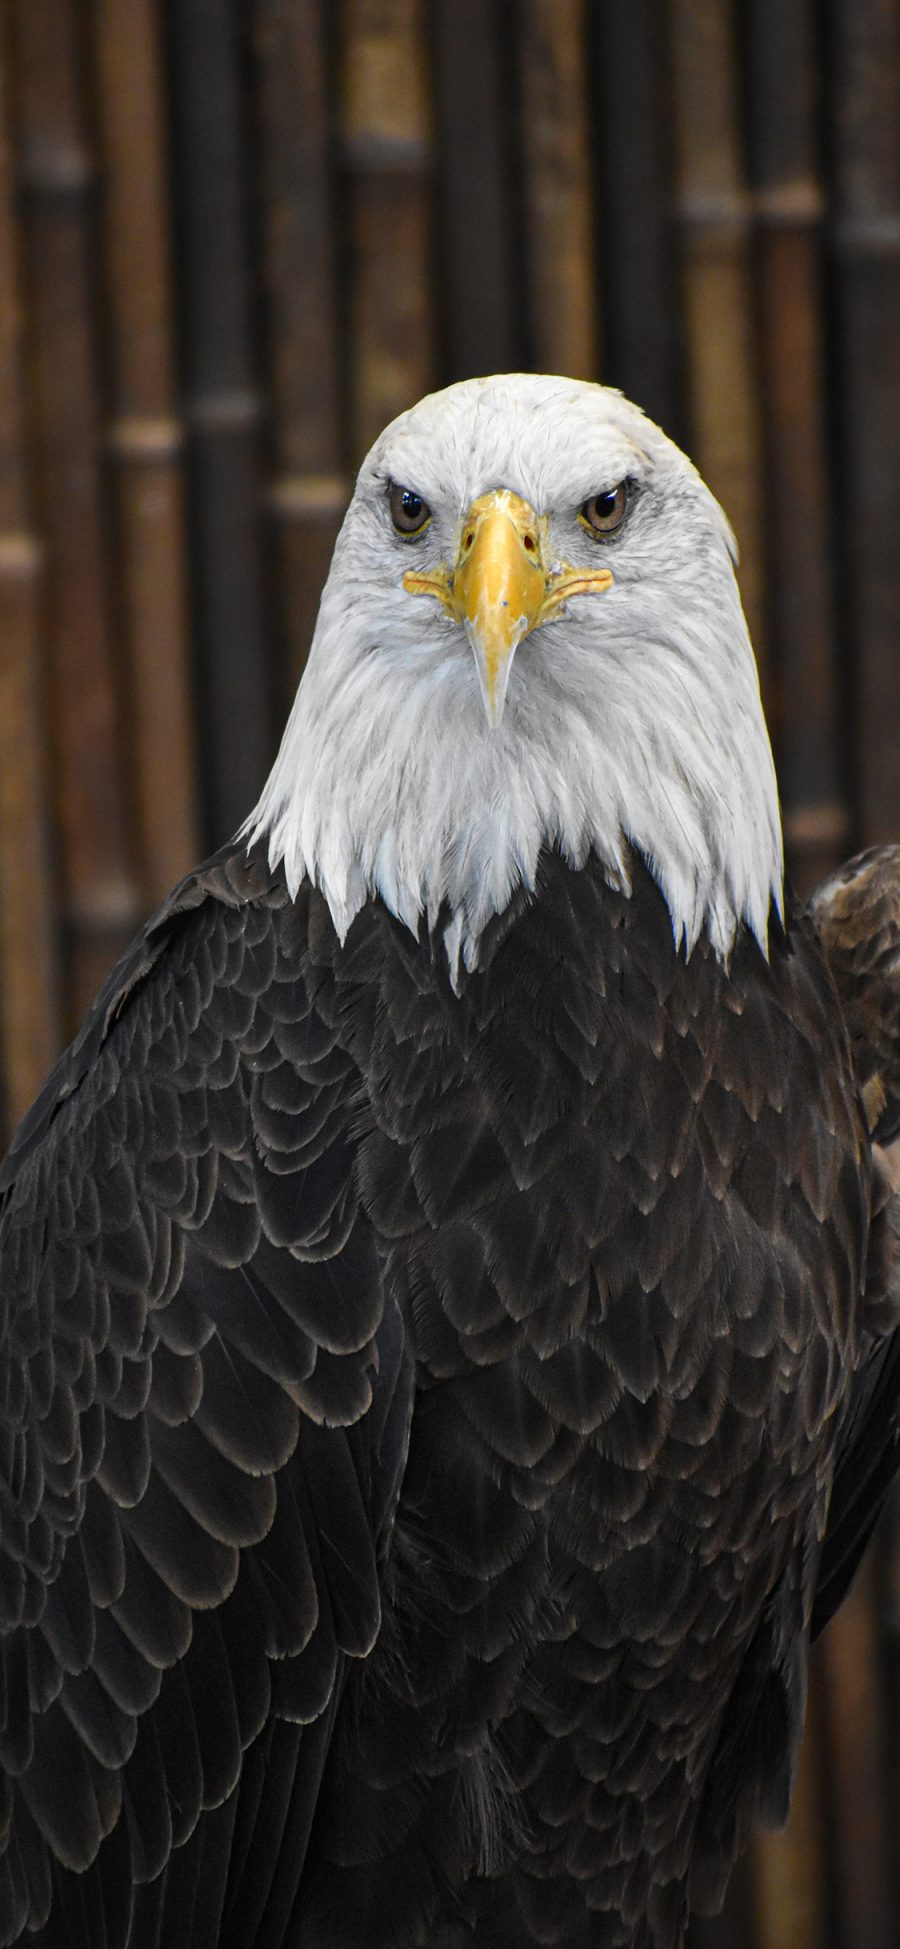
(634, 716)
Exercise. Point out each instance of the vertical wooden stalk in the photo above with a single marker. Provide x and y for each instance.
(387, 148)
(93, 810)
(714, 219)
(146, 435)
(856, 1733)
(310, 490)
(791, 1895)
(224, 407)
(29, 1025)
(637, 269)
(789, 204)
(559, 219)
(477, 269)
(887, 1585)
(865, 154)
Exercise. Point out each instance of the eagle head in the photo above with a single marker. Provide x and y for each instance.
(531, 635)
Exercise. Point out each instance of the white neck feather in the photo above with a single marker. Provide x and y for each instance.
(390, 783)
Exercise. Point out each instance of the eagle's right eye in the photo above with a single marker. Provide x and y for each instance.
(409, 513)
(603, 513)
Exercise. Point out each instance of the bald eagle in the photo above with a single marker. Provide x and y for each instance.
(449, 1365)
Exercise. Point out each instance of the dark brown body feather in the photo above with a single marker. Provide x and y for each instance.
(419, 1420)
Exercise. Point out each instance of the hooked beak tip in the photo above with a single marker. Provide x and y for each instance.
(493, 677)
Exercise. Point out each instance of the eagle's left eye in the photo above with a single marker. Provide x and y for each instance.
(409, 513)
(603, 513)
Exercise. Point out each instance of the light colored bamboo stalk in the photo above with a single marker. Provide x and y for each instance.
(558, 232)
(856, 1734)
(864, 149)
(789, 1867)
(29, 1022)
(789, 205)
(146, 434)
(387, 149)
(886, 1553)
(92, 805)
(714, 218)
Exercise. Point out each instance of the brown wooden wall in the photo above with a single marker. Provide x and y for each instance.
(237, 236)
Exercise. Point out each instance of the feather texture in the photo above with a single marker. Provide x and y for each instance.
(200, 1555)
(529, 1660)
(448, 1290)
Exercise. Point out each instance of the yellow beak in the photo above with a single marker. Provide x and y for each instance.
(500, 587)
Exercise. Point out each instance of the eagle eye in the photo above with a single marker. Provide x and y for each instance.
(409, 513)
(603, 513)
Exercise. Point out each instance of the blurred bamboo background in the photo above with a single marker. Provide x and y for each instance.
(236, 237)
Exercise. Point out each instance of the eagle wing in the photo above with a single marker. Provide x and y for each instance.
(856, 918)
(856, 913)
(206, 1399)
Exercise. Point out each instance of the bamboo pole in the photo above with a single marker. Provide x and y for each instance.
(789, 205)
(788, 1867)
(859, 1844)
(29, 1024)
(887, 1583)
(387, 153)
(778, 1895)
(224, 408)
(146, 435)
(481, 303)
(92, 809)
(558, 228)
(714, 220)
(310, 489)
(637, 268)
(865, 152)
